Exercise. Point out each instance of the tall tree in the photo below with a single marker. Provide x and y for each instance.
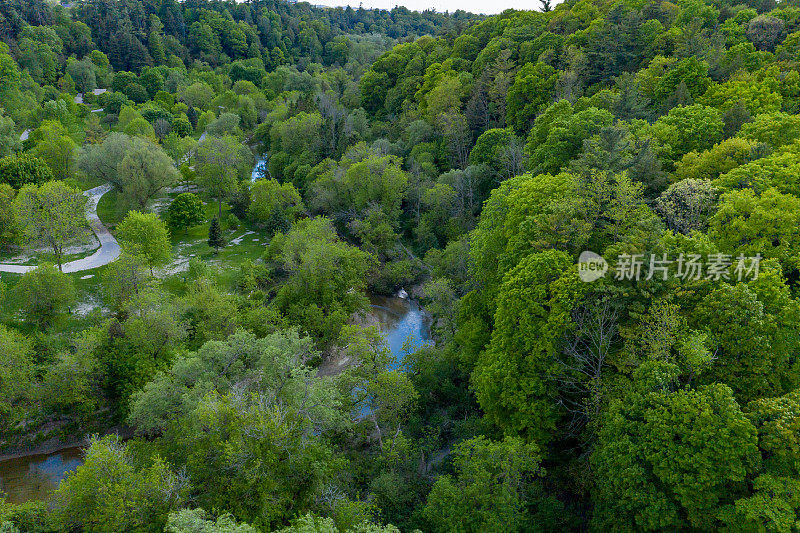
(52, 215)
(220, 163)
(144, 172)
(45, 293)
(145, 234)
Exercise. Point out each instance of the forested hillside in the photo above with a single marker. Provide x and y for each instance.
(597, 205)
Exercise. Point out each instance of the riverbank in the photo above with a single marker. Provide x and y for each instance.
(402, 321)
(32, 473)
(57, 444)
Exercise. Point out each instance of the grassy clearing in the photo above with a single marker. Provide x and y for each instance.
(110, 209)
(246, 242)
(42, 257)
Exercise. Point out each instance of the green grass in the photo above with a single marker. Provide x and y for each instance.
(191, 244)
(68, 324)
(111, 209)
(43, 257)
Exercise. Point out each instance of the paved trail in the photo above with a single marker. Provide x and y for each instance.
(109, 247)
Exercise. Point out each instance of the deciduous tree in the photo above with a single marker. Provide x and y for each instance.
(52, 215)
(45, 293)
(186, 211)
(145, 234)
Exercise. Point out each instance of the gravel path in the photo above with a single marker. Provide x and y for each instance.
(109, 247)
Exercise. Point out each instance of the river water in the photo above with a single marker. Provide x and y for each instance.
(260, 168)
(33, 477)
(402, 322)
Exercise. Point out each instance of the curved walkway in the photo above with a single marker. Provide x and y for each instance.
(109, 247)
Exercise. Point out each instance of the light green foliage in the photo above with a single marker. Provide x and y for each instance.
(196, 521)
(275, 205)
(9, 232)
(178, 148)
(181, 126)
(19, 170)
(211, 311)
(371, 188)
(144, 171)
(116, 491)
(753, 334)
(513, 379)
(776, 129)
(436, 221)
(54, 147)
(124, 280)
(139, 127)
(493, 490)
(51, 215)
(220, 163)
(225, 124)
(765, 224)
(491, 148)
(101, 161)
(275, 366)
(777, 421)
(558, 134)
(530, 91)
(127, 115)
(300, 133)
(757, 95)
(197, 95)
(325, 278)
(263, 395)
(686, 129)
(665, 77)
(671, 459)
(780, 170)
(83, 73)
(147, 235)
(185, 211)
(774, 506)
(9, 140)
(17, 377)
(132, 348)
(311, 523)
(390, 398)
(260, 459)
(711, 163)
(44, 294)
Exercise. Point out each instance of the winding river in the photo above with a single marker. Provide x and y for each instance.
(403, 323)
(33, 477)
(260, 168)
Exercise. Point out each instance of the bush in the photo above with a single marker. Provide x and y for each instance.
(185, 211)
(45, 293)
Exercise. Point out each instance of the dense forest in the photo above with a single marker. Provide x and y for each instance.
(596, 203)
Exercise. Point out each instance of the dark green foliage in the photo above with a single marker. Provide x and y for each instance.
(185, 211)
(215, 238)
(499, 149)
